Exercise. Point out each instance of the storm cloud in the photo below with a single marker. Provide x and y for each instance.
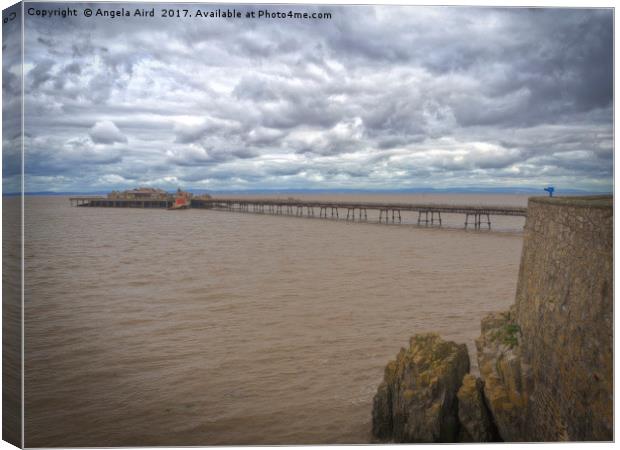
(376, 97)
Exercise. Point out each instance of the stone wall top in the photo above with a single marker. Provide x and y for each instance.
(589, 201)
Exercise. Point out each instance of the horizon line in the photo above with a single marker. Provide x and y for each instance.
(514, 190)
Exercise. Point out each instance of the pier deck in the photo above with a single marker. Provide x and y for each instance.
(475, 215)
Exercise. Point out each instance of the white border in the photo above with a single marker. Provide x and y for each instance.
(531, 3)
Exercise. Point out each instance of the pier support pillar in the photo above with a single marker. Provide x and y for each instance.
(478, 220)
(381, 213)
(467, 219)
(425, 220)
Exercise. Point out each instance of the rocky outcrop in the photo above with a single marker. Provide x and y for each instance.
(417, 400)
(476, 422)
(546, 366)
(501, 368)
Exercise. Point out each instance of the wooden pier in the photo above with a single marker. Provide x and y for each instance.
(427, 214)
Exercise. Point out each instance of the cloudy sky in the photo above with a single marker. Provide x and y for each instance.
(374, 98)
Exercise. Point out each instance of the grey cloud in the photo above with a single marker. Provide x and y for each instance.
(73, 68)
(262, 136)
(254, 88)
(287, 170)
(69, 158)
(41, 73)
(106, 132)
(198, 156)
(186, 134)
(309, 111)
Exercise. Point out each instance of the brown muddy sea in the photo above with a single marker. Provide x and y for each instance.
(201, 327)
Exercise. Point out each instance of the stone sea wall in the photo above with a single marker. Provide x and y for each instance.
(564, 307)
(546, 365)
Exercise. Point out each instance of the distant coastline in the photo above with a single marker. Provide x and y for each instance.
(457, 190)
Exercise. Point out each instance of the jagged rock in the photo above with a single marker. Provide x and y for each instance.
(417, 400)
(504, 374)
(476, 422)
